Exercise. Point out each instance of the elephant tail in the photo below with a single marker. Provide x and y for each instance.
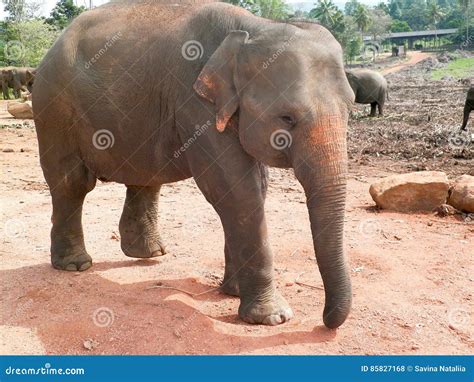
(388, 98)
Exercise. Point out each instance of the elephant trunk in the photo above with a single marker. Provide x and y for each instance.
(320, 165)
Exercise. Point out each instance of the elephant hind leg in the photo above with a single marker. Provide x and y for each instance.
(373, 109)
(467, 111)
(380, 106)
(139, 223)
(68, 186)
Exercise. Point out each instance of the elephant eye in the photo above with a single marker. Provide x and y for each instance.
(288, 120)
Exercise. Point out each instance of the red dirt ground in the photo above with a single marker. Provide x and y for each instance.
(412, 276)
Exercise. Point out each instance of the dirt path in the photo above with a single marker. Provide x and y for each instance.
(415, 57)
(412, 275)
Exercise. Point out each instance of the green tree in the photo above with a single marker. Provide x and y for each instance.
(465, 6)
(350, 7)
(63, 13)
(362, 18)
(353, 48)
(37, 37)
(330, 17)
(325, 11)
(399, 26)
(383, 7)
(395, 9)
(271, 9)
(435, 14)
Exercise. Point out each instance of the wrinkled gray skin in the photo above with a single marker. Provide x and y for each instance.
(18, 79)
(369, 87)
(150, 96)
(468, 107)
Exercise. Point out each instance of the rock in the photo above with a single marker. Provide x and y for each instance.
(414, 191)
(20, 110)
(446, 210)
(8, 150)
(462, 194)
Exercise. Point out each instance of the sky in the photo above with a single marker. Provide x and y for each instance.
(298, 4)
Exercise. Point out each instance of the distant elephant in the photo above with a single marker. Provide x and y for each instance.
(17, 79)
(369, 87)
(468, 107)
(215, 96)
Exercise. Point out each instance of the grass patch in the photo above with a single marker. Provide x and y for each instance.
(460, 68)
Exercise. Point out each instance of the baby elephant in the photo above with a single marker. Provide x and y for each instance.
(468, 107)
(369, 87)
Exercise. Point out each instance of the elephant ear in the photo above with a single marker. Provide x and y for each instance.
(216, 80)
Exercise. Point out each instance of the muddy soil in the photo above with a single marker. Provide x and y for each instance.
(412, 274)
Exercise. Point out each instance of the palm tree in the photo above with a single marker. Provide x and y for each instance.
(435, 14)
(465, 5)
(362, 18)
(325, 12)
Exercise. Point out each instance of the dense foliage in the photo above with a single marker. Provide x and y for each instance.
(25, 37)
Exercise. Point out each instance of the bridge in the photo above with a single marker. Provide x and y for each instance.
(398, 38)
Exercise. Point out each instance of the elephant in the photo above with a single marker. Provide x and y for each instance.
(17, 79)
(369, 87)
(207, 91)
(468, 107)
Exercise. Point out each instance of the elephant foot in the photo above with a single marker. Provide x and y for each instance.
(273, 312)
(75, 262)
(143, 248)
(230, 286)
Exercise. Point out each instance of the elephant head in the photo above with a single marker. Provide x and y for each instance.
(30, 78)
(292, 97)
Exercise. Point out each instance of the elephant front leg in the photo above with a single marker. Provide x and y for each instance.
(252, 265)
(230, 284)
(139, 223)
